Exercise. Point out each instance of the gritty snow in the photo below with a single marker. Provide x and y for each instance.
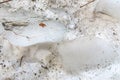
(66, 54)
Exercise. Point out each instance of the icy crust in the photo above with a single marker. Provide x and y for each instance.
(51, 32)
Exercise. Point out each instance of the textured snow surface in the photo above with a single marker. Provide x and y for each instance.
(87, 49)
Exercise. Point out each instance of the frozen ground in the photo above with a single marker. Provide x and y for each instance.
(43, 60)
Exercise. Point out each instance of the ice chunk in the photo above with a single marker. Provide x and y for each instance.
(37, 32)
(86, 53)
(109, 7)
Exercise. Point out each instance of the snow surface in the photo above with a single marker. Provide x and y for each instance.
(29, 63)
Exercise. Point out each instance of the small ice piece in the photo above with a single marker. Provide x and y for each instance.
(109, 7)
(86, 53)
(37, 32)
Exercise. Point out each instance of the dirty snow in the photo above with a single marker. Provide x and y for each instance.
(24, 63)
